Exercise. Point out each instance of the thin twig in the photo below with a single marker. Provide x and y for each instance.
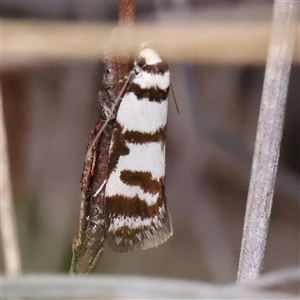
(268, 139)
(11, 252)
(88, 246)
(126, 12)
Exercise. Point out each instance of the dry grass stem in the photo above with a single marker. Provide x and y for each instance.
(268, 139)
(278, 279)
(125, 287)
(28, 41)
(11, 252)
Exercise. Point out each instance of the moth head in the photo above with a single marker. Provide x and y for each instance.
(148, 55)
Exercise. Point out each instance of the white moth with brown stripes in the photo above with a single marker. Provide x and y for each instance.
(136, 209)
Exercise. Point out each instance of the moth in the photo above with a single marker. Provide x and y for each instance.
(136, 210)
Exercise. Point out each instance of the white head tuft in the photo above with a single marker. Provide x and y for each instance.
(150, 55)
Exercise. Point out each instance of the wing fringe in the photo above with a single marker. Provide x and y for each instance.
(144, 237)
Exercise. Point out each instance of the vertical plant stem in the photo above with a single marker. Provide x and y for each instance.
(268, 139)
(11, 253)
(126, 12)
(88, 246)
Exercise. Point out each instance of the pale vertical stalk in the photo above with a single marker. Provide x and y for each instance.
(11, 253)
(268, 139)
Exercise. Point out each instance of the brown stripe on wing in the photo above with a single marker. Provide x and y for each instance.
(120, 138)
(159, 68)
(137, 137)
(142, 179)
(153, 94)
(120, 205)
(144, 236)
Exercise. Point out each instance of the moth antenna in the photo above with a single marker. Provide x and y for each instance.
(175, 101)
(89, 152)
(128, 77)
(100, 188)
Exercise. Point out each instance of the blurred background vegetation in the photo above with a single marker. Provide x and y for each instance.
(51, 106)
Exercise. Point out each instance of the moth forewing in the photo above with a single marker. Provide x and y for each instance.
(136, 209)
